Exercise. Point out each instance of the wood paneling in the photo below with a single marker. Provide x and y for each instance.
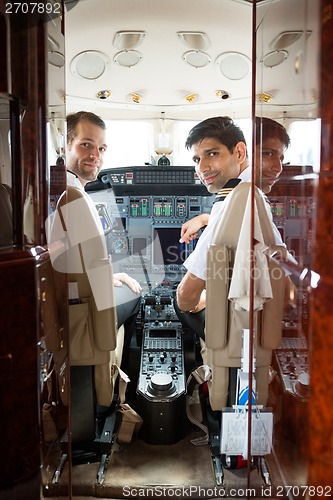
(321, 314)
(19, 360)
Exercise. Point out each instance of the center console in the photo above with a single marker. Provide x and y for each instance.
(162, 382)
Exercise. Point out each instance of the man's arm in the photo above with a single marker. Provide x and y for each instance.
(191, 294)
(189, 230)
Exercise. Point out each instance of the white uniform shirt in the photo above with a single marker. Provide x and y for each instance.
(196, 263)
(73, 180)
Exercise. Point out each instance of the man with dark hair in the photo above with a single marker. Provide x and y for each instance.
(214, 142)
(221, 162)
(272, 140)
(86, 145)
(220, 155)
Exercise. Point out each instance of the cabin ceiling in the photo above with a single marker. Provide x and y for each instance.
(163, 78)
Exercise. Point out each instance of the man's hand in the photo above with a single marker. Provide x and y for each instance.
(190, 229)
(120, 278)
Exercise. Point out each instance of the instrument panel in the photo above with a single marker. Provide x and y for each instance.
(143, 231)
(147, 205)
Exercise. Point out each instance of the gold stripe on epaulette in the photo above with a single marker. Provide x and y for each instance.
(224, 192)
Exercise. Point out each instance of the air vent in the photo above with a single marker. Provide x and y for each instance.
(287, 38)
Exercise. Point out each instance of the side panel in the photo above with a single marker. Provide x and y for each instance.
(19, 395)
(320, 411)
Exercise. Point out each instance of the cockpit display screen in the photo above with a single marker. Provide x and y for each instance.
(167, 249)
(162, 332)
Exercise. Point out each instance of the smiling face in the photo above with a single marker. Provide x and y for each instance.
(214, 163)
(269, 163)
(85, 151)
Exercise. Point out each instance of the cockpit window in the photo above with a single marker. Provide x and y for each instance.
(304, 146)
(184, 157)
(129, 143)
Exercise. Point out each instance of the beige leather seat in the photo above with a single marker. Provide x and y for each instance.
(225, 318)
(78, 248)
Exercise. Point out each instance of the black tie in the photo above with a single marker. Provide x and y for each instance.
(228, 187)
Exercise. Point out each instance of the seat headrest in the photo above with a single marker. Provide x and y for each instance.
(228, 227)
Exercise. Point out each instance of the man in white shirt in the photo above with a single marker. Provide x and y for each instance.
(272, 141)
(86, 145)
(220, 154)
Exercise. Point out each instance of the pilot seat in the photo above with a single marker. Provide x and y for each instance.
(229, 304)
(78, 248)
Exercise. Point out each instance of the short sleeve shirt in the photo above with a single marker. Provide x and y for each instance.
(196, 262)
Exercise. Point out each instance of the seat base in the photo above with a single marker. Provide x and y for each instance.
(85, 452)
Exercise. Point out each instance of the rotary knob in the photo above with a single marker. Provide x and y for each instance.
(161, 383)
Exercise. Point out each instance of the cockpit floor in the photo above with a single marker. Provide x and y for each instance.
(138, 469)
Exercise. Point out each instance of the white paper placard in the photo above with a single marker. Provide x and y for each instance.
(234, 433)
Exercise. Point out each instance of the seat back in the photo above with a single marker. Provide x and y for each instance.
(228, 294)
(78, 248)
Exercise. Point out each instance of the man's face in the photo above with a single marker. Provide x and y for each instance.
(269, 160)
(214, 163)
(85, 152)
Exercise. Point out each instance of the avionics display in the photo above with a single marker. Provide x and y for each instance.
(140, 246)
(163, 207)
(139, 207)
(118, 223)
(104, 216)
(162, 332)
(166, 249)
(110, 222)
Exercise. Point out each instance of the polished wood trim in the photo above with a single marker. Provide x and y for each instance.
(19, 356)
(29, 82)
(320, 415)
(4, 37)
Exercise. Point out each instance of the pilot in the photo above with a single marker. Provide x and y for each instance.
(86, 145)
(272, 140)
(220, 155)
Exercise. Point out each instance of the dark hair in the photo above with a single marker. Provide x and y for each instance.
(221, 128)
(74, 118)
(266, 128)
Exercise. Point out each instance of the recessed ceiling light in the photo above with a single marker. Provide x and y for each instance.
(89, 65)
(194, 39)
(274, 58)
(196, 58)
(191, 97)
(233, 65)
(125, 40)
(127, 58)
(264, 97)
(135, 97)
(222, 94)
(103, 94)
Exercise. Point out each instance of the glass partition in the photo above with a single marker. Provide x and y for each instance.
(6, 212)
(287, 43)
(55, 377)
(276, 434)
